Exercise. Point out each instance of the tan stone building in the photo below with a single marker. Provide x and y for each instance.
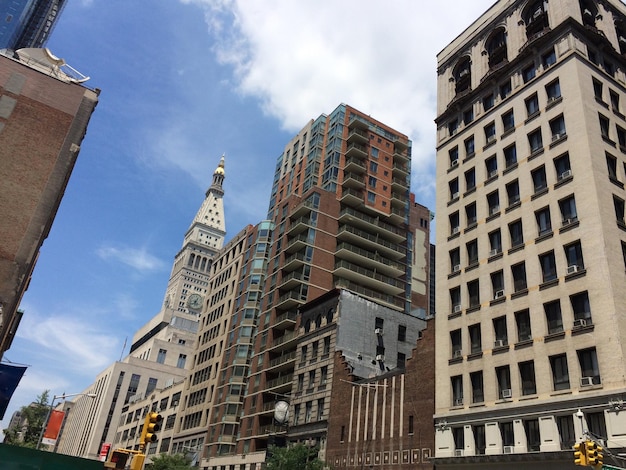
(44, 114)
(531, 152)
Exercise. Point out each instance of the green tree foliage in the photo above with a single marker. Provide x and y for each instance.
(293, 457)
(33, 417)
(169, 462)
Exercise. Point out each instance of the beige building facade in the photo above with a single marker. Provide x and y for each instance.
(531, 235)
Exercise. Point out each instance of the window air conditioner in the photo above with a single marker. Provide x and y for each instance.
(458, 452)
(455, 196)
(508, 449)
(380, 357)
(494, 210)
(456, 268)
(493, 173)
(457, 353)
(493, 252)
(458, 402)
(572, 269)
(378, 331)
(565, 174)
(455, 230)
(506, 393)
(557, 136)
(456, 309)
(499, 343)
(454, 162)
(579, 323)
(586, 381)
(499, 294)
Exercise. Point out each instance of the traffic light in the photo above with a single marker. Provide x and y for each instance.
(118, 458)
(580, 454)
(150, 426)
(594, 454)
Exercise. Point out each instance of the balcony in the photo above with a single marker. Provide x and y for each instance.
(355, 218)
(286, 320)
(398, 216)
(395, 302)
(401, 156)
(372, 242)
(294, 262)
(297, 243)
(292, 280)
(284, 342)
(368, 258)
(282, 362)
(401, 170)
(303, 208)
(368, 278)
(358, 123)
(356, 151)
(291, 299)
(355, 134)
(353, 164)
(351, 196)
(281, 384)
(398, 200)
(352, 180)
(400, 184)
(299, 225)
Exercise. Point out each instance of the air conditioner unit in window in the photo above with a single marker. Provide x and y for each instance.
(458, 402)
(571, 269)
(506, 393)
(456, 268)
(580, 322)
(455, 196)
(508, 450)
(457, 353)
(569, 221)
(491, 138)
(458, 452)
(455, 230)
(378, 331)
(586, 381)
(494, 210)
(380, 357)
(456, 308)
(565, 174)
(499, 343)
(454, 162)
(558, 136)
(499, 294)
(493, 173)
(494, 252)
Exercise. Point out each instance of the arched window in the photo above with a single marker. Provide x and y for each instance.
(463, 75)
(192, 257)
(496, 48)
(620, 29)
(329, 315)
(307, 326)
(536, 18)
(318, 321)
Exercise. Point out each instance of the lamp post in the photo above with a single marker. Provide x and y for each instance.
(55, 398)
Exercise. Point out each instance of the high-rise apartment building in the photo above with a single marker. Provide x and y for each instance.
(43, 119)
(27, 23)
(531, 243)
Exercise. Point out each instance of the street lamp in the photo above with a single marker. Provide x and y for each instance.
(55, 398)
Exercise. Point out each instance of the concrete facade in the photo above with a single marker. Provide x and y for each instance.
(43, 120)
(530, 235)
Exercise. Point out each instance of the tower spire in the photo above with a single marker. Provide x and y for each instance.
(218, 178)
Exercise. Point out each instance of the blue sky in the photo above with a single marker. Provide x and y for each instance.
(183, 82)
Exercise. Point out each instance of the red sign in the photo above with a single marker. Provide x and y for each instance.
(53, 427)
(104, 451)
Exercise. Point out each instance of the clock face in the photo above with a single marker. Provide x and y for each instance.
(194, 301)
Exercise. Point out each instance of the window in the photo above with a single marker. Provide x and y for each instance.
(314, 348)
(560, 375)
(371, 197)
(508, 121)
(574, 256)
(470, 213)
(596, 423)
(527, 377)
(614, 101)
(554, 320)
(161, 356)
(553, 91)
(505, 89)
(562, 167)
(303, 353)
(510, 156)
(529, 73)
(300, 382)
(532, 105)
(565, 425)
(548, 59)
(152, 383)
(455, 299)
(468, 116)
(454, 223)
(516, 233)
(548, 266)
(453, 126)
(604, 126)
(512, 191)
(490, 132)
(478, 395)
(495, 242)
(522, 321)
(568, 210)
(401, 333)
(491, 164)
(597, 90)
(535, 142)
(503, 374)
(455, 260)
(544, 225)
(493, 202)
(500, 332)
(618, 204)
(519, 276)
(296, 414)
(326, 349)
(589, 371)
(533, 437)
(455, 343)
(611, 165)
(488, 102)
(581, 308)
(540, 181)
(182, 358)
(308, 409)
(411, 429)
(475, 339)
(621, 138)
(469, 147)
(497, 284)
(457, 390)
(453, 153)
(470, 180)
(400, 360)
(557, 127)
(473, 293)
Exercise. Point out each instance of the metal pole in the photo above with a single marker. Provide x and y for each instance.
(45, 421)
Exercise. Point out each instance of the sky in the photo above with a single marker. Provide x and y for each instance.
(182, 83)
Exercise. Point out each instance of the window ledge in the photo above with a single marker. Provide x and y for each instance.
(470, 227)
(539, 193)
(510, 168)
(548, 284)
(491, 143)
(569, 226)
(452, 201)
(590, 387)
(608, 140)
(616, 182)
(519, 293)
(507, 131)
(580, 273)
(558, 140)
(557, 393)
(500, 349)
(513, 206)
(454, 274)
(601, 102)
(455, 360)
(532, 117)
(469, 191)
(490, 179)
(498, 301)
(473, 309)
(495, 257)
(476, 355)
(523, 344)
(582, 329)
(469, 157)
(553, 102)
(554, 336)
(453, 315)
(471, 267)
(530, 396)
(493, 216)
(544, 236)
(454, 235)
(535, 153)
(516, 248)
(563, 181)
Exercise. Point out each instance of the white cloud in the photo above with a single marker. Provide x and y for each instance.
(301, 59)
(137, 258)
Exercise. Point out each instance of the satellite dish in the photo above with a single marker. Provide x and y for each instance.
(281, 412)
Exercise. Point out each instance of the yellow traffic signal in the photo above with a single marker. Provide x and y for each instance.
(594, 454)
(150, 426)
(580, 454)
